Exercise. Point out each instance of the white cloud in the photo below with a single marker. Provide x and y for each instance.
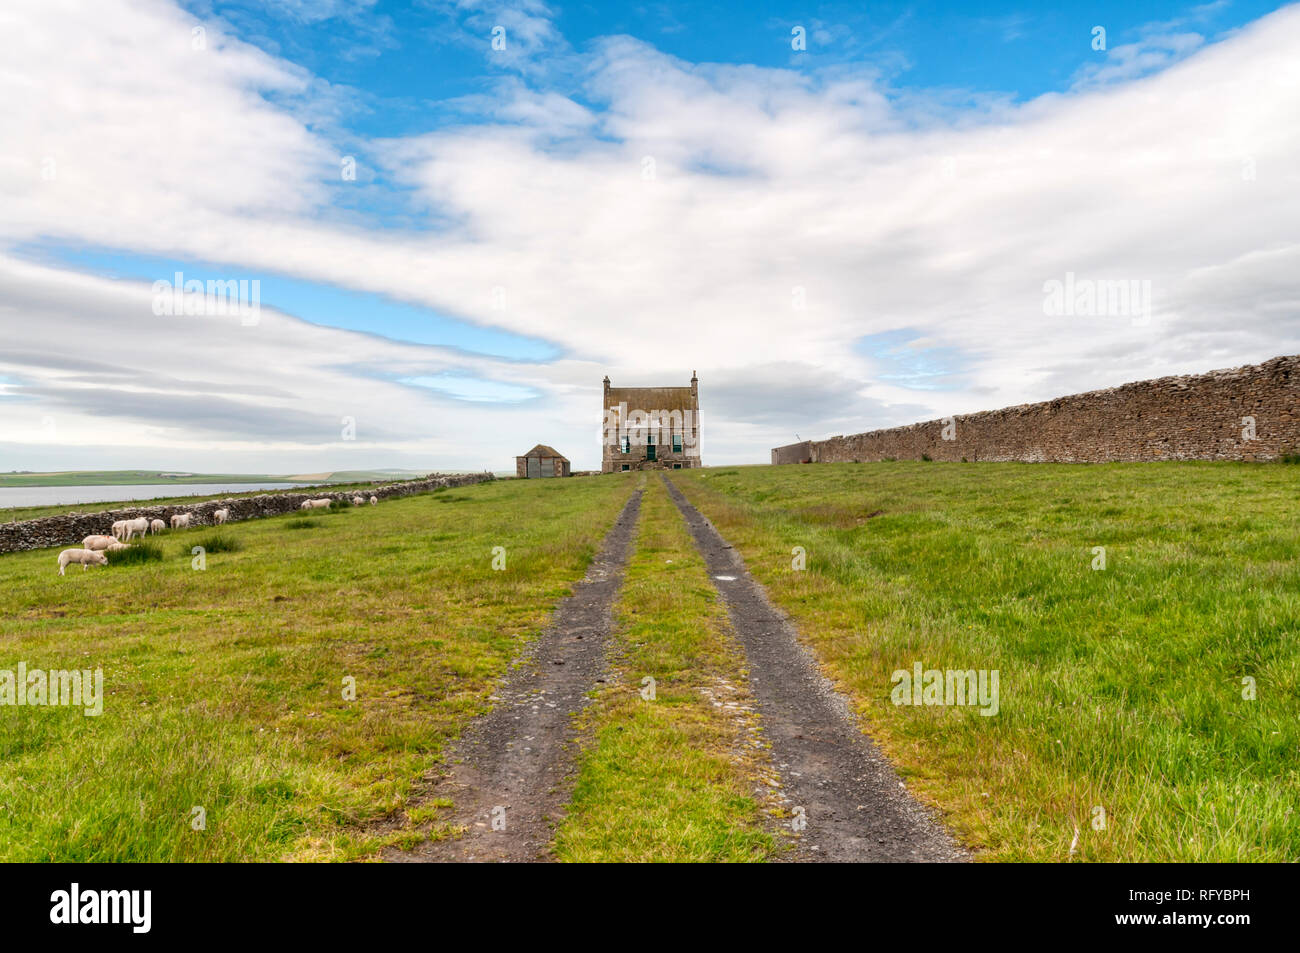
(887, 213)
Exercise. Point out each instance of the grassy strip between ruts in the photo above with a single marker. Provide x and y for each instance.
(669, 777)
(224, 688)
(1151, 705)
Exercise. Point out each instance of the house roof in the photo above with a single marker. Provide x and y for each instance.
(651, 398)
(542, 450)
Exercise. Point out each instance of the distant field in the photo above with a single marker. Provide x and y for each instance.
(224, 686)
(1121, 689)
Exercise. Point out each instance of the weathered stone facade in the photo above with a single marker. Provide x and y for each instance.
(541, 461)
(70, 529)
(1243, 413)
(651, 428)
(793, 453)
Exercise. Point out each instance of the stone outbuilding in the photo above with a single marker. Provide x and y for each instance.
(541, 461)
(650, 428)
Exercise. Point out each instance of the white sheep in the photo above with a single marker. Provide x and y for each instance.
(306, 505)
(115, 547)
(118, 529)
(180, 520)
(323, 504)
(133, 527)
(157, 526)
(374, 500)
(87, 557)
(98, 542)
(220, 516)
(357, 501)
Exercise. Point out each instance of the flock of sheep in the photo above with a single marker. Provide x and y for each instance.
(95, 549)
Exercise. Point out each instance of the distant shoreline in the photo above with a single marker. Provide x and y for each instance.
(153, 478)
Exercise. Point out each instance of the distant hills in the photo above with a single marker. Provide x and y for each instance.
(181, 477)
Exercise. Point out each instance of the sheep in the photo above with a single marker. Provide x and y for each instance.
(157, 526)
(356, 501)
(219, 517)
(115, 547)
(97, 543)
(306, 505)
(87, 557)
(374, 500)
(132, 527)
(118, 529)
(318, 504)
(180, 521)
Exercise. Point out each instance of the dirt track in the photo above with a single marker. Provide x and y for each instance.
(512, 766)
(510, 775)
(856, 807)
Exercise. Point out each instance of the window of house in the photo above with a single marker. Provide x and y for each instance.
(627, 446)
(626, 467)
(677, 466)
(677, 444)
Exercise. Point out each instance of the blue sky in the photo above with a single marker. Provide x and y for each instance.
(852, 235)
(402, 69)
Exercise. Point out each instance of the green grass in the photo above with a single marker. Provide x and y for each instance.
(668, 779)
(1120, 688)
(301, 524)
(223, 542)
(224, 687)
(135, 554)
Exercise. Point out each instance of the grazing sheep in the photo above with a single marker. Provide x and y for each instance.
(319, 504)
(118, 529)
(180, 521)
(374, 500)
(157, 526)
(134, 527)
(219, 517)
(306, 505)
(87, 557)
(115, 547)
(98, 542)
(357, 501)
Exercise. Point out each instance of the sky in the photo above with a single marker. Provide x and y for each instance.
(452, 218)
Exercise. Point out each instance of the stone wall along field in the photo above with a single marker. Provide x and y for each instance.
(1244, 413)
(70, 529)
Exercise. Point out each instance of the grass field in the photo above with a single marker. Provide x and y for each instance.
(671, 767)
(1147, 710)
(224, 687)
(1121, 689)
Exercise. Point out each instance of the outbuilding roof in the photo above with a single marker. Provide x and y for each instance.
(542, 450)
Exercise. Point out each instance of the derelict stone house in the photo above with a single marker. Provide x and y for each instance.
(541, 461)
(650, 428)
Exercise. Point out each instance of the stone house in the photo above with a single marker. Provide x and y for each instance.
(541, 461)
(650, 428)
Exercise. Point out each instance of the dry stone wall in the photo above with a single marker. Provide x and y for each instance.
(1244, 413)
(71, 528)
